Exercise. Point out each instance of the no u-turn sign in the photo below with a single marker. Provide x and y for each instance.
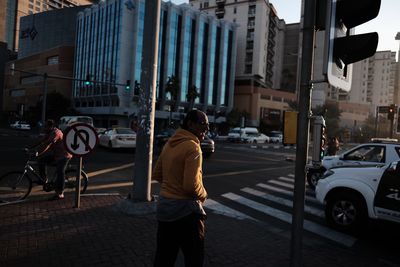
(80, 139)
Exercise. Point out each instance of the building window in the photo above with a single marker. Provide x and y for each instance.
(52, 60)
(234, 10)
(247, 69)
(205, 4)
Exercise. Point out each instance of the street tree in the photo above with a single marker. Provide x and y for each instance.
(191, 96)
(172, 88)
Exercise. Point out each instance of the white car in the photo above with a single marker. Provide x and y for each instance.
(368, 154)
(20, 125)
(275, 137)
(118, 138)
(256, 138)
(353, 194)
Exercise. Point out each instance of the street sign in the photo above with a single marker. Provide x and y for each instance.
(80, 139)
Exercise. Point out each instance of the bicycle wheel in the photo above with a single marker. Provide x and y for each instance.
(70, 180)
(14, 186)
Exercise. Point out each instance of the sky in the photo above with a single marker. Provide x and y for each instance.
(387, 23)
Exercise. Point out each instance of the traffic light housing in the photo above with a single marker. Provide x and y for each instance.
(88, 80)
(391, 112)
(128, 85)
(136, 88)
(342, 47)
(319, 139)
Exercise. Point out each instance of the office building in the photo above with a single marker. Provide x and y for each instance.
(194, 47)
(11, 12)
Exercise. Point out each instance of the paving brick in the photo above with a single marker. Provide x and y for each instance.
(54, 233)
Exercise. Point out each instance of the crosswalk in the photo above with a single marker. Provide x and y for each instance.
(274, 198)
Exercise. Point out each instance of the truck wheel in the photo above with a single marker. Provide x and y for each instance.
(346, 211)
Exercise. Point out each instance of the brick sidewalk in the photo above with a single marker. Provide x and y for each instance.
(53, 233)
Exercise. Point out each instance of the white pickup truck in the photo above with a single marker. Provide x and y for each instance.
(368, 154)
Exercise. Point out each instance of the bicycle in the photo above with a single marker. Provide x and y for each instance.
(17, 185)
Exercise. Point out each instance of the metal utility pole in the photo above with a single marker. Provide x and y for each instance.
(44, 99)
(144, 142)
(296, 259)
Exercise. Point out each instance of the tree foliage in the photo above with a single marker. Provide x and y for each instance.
(191, 96)
(233, 118)
(172, 87)
(331, 113)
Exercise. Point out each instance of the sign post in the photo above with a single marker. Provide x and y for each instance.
(80, 139)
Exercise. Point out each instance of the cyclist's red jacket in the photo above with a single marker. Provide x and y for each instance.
(55, 139)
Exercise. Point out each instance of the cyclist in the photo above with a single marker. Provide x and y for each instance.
(51, 150)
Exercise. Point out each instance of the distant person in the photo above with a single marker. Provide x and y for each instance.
(51, 150)
(180, 213)
(333, 146)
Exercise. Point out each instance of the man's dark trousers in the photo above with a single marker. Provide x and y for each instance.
(187, 234)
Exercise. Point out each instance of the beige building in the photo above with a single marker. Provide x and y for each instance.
(12, 10)
(259, 37)
(23, 90)
(263, 104)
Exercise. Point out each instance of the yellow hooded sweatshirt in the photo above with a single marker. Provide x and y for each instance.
(179, 168)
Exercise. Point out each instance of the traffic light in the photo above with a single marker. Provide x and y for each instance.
(137, 88)
(128, 85)
(391, 112)
(398, 121)
(319, 139)
(88, 80)
(342, 46)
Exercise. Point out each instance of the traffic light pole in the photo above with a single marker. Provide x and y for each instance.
(147, 93)
(296, 259)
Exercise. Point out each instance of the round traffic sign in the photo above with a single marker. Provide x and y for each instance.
(80, 139)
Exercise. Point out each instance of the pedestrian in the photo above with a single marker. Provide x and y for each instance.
(51, 150)
(180, 213)
(333, 146)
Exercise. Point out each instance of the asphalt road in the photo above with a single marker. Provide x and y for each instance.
(243, 181)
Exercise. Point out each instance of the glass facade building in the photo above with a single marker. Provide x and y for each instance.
(196, 48)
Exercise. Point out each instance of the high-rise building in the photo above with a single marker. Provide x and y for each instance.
(196, 48)
(12, 10)
(260, 38)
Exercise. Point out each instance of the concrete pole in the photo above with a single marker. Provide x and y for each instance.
(144, 142)
(44, 99)
(296, 259)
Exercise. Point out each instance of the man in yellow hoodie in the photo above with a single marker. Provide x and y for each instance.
(180, 212)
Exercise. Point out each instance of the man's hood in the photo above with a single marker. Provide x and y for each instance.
(181, 136)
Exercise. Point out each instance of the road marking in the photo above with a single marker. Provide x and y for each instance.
(225, 210)
(241, 172)
(286, 192)
(282, 201)
(281, 184)
(312, 227)
(103, 171)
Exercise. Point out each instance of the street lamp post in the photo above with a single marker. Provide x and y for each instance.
(44, 99)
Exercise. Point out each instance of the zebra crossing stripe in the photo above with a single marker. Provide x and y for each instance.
(225, 210)
(291, 175)
(281, 184)
(312, 227)
(282, 201)
(291, 181)
(286, 192)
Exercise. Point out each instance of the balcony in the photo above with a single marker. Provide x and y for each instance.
(220, 12)
(220, 2)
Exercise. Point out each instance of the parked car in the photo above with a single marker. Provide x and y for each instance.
(257, 138)
(367, 154)
(207, 146)
(20, 125)
(275, 137)
(239, 134)
(118, 138)
(353, 194)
